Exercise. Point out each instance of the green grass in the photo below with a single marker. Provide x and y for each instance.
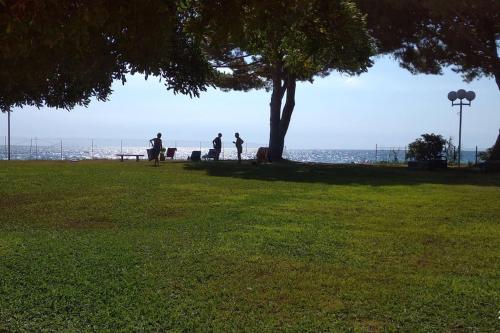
(109, 246)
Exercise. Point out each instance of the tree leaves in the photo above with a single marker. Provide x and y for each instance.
(428, 147)
(426, 36)
(63, 53)
(309, 38)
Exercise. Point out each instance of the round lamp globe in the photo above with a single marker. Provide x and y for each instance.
(470, 95)
(461, 94)
(452, 95)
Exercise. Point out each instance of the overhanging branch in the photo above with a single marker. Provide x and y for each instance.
(241, 65)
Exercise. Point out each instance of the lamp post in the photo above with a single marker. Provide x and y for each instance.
(8, 135)
(461, 95)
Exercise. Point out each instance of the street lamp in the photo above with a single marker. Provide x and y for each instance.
(461, 95)
(8, 134)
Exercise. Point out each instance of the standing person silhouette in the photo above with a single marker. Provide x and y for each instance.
(239, 145)
(217, 143)
(157, 146)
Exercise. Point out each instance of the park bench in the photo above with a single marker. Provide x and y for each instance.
(137, 156)
(490, 166)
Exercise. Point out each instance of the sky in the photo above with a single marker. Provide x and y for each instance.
(387, 106)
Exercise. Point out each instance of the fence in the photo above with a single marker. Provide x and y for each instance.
(399, 155)
(390, 154)
(83, 149)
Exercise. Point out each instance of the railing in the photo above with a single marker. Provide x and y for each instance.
(390, 154)
(82, 149)
(399, 155)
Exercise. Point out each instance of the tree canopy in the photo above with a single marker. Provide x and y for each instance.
(274, 44)
(427, 35)
(63, 53)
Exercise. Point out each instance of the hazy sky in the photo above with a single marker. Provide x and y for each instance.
(386, 106)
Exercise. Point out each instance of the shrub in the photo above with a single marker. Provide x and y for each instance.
(450, 151)
(428, 147)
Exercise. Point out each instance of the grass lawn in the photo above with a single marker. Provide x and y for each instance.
(109, 246)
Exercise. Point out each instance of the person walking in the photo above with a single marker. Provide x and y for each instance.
(217, 143)
(239, 145)
(157, 146)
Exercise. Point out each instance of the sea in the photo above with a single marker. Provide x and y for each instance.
(77, 149)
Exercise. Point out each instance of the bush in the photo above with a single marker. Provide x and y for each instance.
(428, 147)
(450, 151)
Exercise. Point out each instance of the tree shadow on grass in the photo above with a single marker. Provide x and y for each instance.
(344, 174)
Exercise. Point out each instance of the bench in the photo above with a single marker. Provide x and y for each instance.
(128, 155)
(428, 165)
(490, 166)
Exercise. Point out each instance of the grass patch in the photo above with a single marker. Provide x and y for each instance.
(108, 246)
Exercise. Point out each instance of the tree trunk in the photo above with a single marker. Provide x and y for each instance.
(286, 115)
(275, 111)
(496, 60)
(280, 120)
(497, 73)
